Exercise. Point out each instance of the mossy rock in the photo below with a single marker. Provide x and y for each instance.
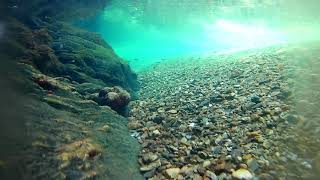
(92, 55)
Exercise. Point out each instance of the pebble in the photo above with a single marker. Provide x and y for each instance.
(156, 119)
(222, 176)
(156, 132)
(173, 111)
(150, 166)
(242, 174)
(253, 164)
(211, 175)
(206, 163)
(172, 173)
(191, 124)
(306, 165)
(184, 141)
(255, 99)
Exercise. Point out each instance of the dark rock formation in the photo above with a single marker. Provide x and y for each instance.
(59, 49)
(64, 135)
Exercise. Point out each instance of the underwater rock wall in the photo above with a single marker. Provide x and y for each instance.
(59, 133)
(57, 48)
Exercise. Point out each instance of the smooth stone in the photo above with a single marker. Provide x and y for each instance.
(211, 175)
(277, 110)
(222, 176)
(156, 132)
(150, 166)
(243, 166)
(242, 174)
(192, 125)
(255, 99)
(172, 172)
(306, 165)
(206, 163)
(184, 140)
(253, 164)
(173, 111)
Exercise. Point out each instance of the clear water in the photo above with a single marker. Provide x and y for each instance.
(147, 32)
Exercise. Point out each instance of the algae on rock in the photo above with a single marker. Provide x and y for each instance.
(58, 62)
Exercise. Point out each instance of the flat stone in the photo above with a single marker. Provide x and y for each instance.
(150, 166)
(172, 172)
(242, 174)
(173, 111)
(156, 132)
(184, 140)
(253, 164)
(206, 163)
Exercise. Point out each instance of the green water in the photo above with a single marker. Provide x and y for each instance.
(145, 33)
(152, 37)
(148, 32)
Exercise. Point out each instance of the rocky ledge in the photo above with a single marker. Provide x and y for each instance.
(61, 132)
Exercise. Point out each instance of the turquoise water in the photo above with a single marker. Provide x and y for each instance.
(147, 32)
(143, 43)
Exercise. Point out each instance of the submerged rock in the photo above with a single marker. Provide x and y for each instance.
(114, 97)
(172, 173)
(151, 166)
(149, 157)
(242, 174)
(255, 99)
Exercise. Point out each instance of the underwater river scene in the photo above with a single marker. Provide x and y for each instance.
(160, 89)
